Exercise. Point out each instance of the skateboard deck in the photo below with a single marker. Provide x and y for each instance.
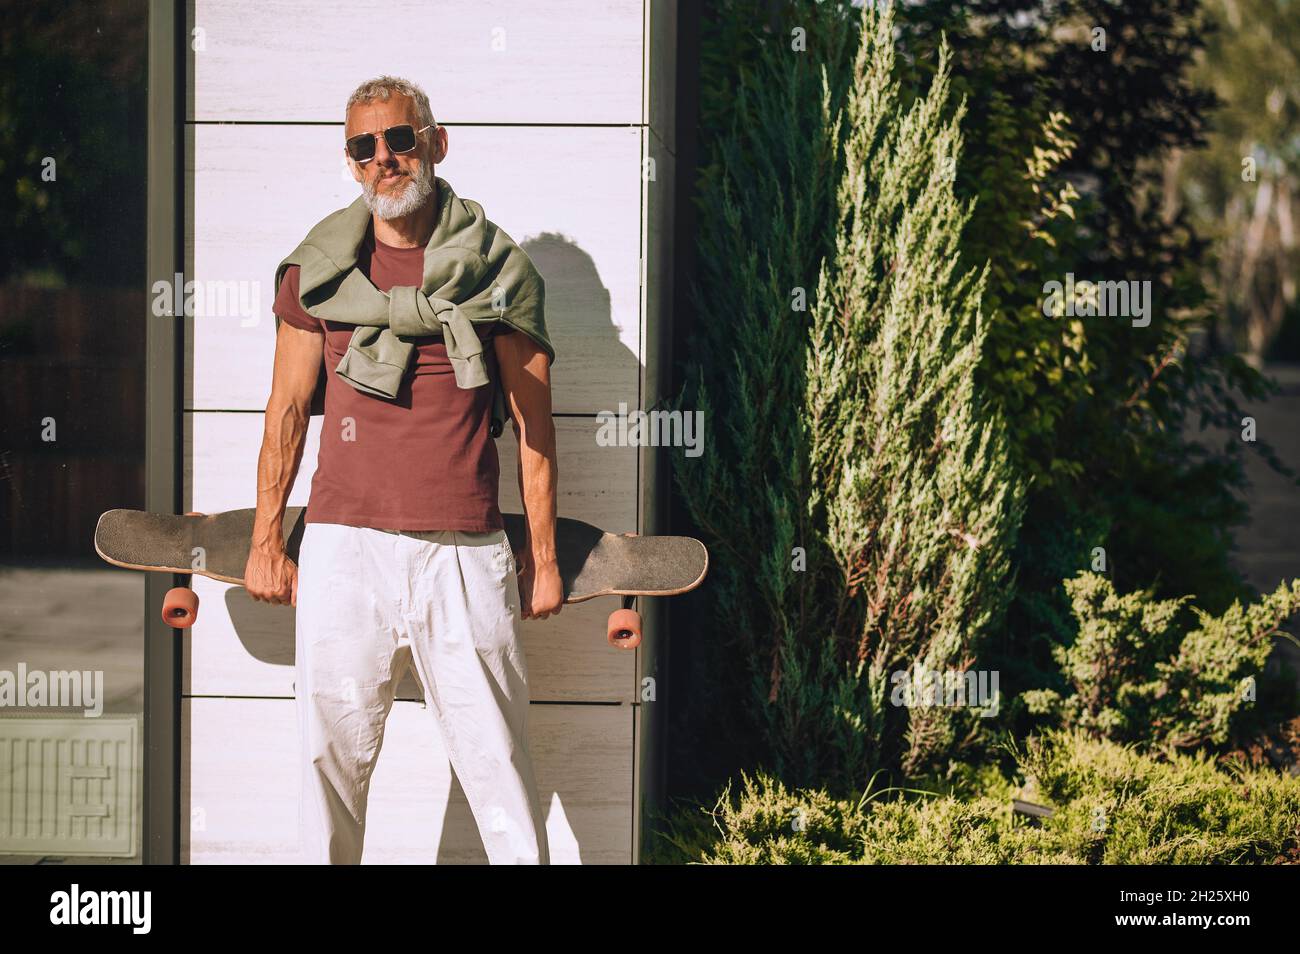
(592, 562)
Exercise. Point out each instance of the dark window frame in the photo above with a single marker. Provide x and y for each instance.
(164, 445)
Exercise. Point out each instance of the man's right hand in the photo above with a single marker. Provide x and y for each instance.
(271, 577)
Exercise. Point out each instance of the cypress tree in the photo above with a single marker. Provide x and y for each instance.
(909, 467)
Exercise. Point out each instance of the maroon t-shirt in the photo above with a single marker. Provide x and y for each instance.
(423, 460)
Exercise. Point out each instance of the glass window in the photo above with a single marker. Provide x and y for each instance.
(72, 327)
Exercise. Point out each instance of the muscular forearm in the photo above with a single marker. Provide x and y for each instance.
(538, 473)
(283, 441)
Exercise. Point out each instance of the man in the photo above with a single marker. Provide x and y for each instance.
(419, 306)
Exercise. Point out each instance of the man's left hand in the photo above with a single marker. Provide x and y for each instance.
(541, 592)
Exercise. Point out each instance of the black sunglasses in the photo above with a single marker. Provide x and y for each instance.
(399, 139)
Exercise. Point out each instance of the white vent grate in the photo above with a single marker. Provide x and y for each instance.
(68, 786)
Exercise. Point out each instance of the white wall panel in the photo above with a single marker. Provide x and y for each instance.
(485, 61)
(221, 462)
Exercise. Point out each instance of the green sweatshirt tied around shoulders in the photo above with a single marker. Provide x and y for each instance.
(473, 272)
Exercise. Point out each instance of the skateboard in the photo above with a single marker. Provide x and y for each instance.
(592, 562)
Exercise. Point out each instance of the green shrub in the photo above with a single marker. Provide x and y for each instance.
(769, 168)
(1111, 805)
(1104, 416)
(787, 667)
(1138, 673)
(1118, 806)
(912, 487)
(844, 425)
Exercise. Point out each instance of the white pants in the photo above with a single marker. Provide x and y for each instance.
(371, 603)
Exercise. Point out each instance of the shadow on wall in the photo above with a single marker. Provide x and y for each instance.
(573, 290)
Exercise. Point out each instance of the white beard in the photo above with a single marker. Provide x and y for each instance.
(416, 193)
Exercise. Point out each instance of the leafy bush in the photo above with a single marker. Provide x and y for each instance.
(1111, 805)
(1115, 805)
(1104, 416)
(788, 665)
(1137, 673)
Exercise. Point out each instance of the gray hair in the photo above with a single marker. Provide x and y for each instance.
(382, 87)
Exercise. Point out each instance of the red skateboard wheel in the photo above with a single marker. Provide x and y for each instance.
(624, 629)
(180, 607)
